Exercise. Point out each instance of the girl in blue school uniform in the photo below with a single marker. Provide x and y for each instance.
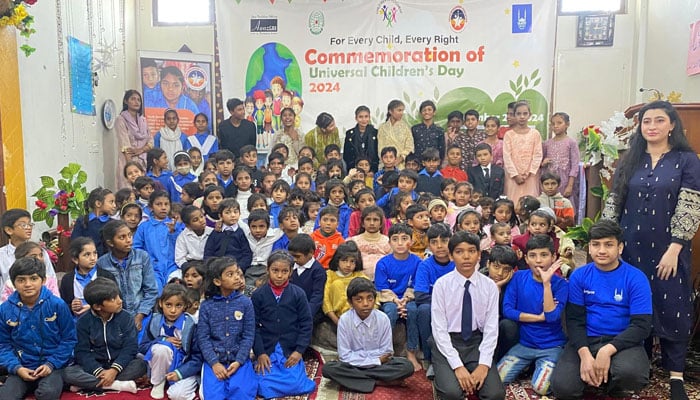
(170, 348)
(283, 332)
(101, 206)
(225, 334)
(203, 139)
(157, 168)
(157, 236)
(182, 176)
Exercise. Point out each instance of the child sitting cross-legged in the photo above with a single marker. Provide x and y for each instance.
(107, 343)
(365, 344)
(535, 298)
(37, 335)
(169, 346)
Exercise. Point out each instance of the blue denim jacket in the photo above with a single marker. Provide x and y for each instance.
(136, 280)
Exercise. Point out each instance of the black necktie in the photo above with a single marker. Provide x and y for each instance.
(466, 312)
(486, 173)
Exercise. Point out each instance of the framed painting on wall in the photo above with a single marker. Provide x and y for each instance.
(595, 30)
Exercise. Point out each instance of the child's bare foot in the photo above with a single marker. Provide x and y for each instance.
(412, 358)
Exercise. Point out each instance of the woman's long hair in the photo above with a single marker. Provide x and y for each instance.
(638, 147)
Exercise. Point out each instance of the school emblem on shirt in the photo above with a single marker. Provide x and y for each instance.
(618, 296)
(238, 315)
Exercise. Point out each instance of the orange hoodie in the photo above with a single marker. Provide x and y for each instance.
(326, 246)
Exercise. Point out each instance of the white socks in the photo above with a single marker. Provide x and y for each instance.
(123, 386)
(158, 391)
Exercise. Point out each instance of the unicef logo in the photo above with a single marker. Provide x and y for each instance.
(316, 22)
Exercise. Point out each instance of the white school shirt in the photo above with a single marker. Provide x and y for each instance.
(189, 246)
(446, 314)
(263, 247)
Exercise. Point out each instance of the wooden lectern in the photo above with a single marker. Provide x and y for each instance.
(690, 116)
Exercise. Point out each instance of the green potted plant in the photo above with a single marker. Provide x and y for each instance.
(63, 197)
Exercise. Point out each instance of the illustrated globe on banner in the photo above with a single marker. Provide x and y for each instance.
(271, 60)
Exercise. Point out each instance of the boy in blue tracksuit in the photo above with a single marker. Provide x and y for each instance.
(107, 343)
(231, 241)
(535, 298)
(428, 272)
(37, 335)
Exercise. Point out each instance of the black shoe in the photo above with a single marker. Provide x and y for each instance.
(678, 390)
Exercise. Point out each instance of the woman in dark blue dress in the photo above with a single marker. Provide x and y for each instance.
(656, 198)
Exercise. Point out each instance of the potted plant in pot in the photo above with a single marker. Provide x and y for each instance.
(64, 200)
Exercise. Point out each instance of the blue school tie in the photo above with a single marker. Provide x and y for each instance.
(466, 312)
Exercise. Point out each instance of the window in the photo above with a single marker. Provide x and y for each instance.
(578, 7)
(183, 12)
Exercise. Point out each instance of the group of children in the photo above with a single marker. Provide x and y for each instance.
(259, 262)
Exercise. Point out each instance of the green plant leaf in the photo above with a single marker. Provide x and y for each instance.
(49, 221)
(63, 185)
(65, 173)
(47, 181)
(520, 80)
(74, 168)
(597, 191)
(38, 215)
(513, 86)
(609, 151)
(82, 178)
(406, 97)
(534, 74)
(436, 93)
(518, 90)
(27, 49)
(40, 193)
(586, 224)
(75, 214)
(537, 82)
(526, 81)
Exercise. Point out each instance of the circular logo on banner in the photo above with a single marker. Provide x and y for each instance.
(316, 22)
(458, 19)
(196, 78)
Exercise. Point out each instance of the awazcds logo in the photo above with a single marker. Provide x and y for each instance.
(389, 11)
(263, 25)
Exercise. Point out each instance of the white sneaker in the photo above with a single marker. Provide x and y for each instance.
(123, 386)
(158, 391)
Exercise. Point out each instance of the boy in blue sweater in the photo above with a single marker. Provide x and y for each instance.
(37, 335)
(428, 271)
(231, 241)
(283, 332)
(308, 273)
(535, 299)
(107, 343)
(225, 162)
(394, 278)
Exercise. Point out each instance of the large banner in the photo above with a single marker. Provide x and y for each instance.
(180, 81)
(333, 56)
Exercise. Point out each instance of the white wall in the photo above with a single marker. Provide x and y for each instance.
(666, 47)
(53, 136)
(591, 83)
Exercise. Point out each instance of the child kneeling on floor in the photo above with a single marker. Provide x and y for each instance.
(365, 346)
(107, 343)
